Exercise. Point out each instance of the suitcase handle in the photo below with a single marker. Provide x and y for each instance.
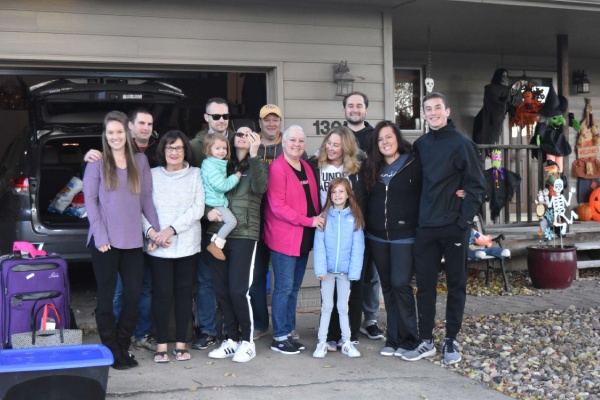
(28, 248)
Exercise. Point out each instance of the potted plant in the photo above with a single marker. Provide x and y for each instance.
(552, 265)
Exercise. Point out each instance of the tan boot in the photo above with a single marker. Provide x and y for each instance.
(216, 249)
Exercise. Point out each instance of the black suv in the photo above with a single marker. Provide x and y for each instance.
(65, 118)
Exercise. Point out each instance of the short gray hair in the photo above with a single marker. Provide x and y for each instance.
(292, 128)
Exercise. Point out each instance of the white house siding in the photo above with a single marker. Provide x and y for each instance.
(297, 45)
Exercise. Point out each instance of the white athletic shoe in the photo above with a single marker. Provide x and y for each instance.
(245, 352)
(227, 349)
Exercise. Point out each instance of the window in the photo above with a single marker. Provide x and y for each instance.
(408, 90)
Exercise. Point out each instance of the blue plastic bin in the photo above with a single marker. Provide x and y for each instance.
(56, 373)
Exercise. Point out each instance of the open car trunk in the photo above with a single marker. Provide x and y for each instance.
(68, 119)
(61, 159)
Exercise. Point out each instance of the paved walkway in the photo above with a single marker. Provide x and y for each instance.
(583, 293)
(274, 376)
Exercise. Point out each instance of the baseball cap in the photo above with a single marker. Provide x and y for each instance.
(269, 109)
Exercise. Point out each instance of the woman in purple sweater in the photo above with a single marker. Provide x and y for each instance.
(118, 189)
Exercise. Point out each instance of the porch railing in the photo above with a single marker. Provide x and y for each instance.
(516, 158)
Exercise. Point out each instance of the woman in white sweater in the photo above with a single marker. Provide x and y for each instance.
(178, 195)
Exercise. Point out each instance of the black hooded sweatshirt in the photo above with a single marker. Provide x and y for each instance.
(450, 162)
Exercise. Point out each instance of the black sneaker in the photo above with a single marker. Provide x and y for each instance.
(203, 341)
(130, 359)
(296, 343)
(373, 331)
(284, 346)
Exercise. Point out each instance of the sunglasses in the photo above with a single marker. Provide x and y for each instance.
(217, 117)
(241, 134)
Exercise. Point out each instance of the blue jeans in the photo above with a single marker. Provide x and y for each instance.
(289, 272)
(144, 323)
(206, 294)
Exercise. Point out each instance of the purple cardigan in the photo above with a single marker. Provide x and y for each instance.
(116, 216)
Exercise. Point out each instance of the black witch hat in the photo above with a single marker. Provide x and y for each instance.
(554, 105)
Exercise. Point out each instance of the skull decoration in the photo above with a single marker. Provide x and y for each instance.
(429, 84)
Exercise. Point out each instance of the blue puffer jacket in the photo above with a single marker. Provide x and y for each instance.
(339, 248)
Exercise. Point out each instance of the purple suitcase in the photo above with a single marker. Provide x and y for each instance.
(28, 283)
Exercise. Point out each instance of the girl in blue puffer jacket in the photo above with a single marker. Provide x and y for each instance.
(338, 254)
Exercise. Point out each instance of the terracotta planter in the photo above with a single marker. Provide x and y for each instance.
(551, 267)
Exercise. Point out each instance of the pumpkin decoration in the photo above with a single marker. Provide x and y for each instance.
(584, 212)
(595, 204)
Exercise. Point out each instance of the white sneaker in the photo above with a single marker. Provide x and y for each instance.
(227, 349)
(321, 350)
(349, 350)
(245, 352)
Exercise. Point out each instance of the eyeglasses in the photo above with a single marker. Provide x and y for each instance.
(170, 149)
(217, 117)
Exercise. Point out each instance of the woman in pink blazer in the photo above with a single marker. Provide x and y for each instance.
(291, 215)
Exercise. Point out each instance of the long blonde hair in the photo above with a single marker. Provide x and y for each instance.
(350, 150)
(109, 167)
(359, 221)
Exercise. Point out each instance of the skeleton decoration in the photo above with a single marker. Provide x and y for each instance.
(429, 85)
(559, 204)
(429, 80)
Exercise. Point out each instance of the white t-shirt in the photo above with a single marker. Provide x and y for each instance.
(327, 174)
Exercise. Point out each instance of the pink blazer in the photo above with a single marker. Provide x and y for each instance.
(285, 211)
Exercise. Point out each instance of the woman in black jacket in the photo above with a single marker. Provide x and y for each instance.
(393, 180)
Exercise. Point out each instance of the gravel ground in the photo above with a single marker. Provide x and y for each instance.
(552, 354)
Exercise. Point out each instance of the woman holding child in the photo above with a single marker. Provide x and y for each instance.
(231, 278)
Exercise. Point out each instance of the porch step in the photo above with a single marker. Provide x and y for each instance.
(588, 264)
(583, 246)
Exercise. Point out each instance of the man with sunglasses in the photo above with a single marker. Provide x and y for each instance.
(217, 117)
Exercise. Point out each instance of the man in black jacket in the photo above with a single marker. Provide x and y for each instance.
(356, 107)
(450, 163)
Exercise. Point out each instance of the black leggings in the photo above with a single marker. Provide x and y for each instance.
(172, 278)
(231, 280)
(129, 263)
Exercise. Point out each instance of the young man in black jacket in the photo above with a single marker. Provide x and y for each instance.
(450, 162)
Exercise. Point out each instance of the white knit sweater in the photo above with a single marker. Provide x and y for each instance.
(179, 200)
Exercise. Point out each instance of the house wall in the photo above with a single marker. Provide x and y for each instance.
(296, 45)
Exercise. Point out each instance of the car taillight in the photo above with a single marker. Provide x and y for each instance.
(20, 184)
